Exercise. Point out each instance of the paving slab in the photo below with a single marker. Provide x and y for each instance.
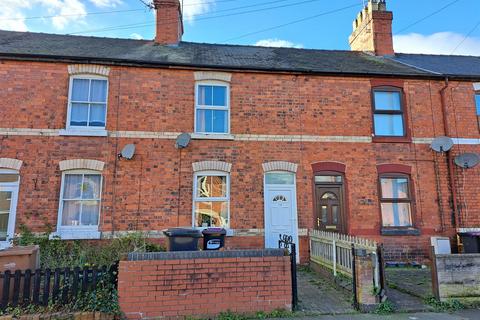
(319, 296)
(415, 281)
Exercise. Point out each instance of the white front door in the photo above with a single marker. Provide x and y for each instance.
(8, 207)
(280, 208)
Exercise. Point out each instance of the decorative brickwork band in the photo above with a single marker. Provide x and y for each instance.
(280, 166)
(74, 69)
(209, 75)
(9, 163)
(212, 166)
(81, 164)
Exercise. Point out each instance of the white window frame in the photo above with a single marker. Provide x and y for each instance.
(78, 232)
(202, 107)
(14, 187)
(219, 199)
(85, 130)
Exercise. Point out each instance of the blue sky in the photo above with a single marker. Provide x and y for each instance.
(441, 33)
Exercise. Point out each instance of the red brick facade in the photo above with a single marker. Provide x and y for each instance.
(176, 288)
(302, 119)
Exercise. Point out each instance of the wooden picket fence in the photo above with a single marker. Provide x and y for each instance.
(334, 251)
(42, 286)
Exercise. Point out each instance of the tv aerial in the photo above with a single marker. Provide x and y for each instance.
(182, 141)
(127, 152)
(442, 144)
(467, 160)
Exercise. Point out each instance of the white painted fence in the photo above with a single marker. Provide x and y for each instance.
(334, 251)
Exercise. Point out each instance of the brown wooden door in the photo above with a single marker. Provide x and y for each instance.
(329, 208)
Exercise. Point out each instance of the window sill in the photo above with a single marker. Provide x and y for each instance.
(83, 133)
(400, 232)
(383, 139)
(212, 136)
(77, 234)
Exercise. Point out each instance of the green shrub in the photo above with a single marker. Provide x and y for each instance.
(445, 306)
(57, 253)
(385, 307)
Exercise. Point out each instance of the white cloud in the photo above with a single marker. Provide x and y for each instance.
(136, 36)
(106, 3)
(191, 8)
(278, 43)
(13, 12)
(437, 43)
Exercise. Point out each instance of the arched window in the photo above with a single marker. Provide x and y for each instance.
(211, 199)
(9, 185)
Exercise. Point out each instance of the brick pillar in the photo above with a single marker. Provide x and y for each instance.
(364, 275)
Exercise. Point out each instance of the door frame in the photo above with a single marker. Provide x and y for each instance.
(292, 187)
(14, 188)
(344, 197)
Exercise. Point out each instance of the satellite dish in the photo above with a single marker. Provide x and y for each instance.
(128, 152)
(182, 141)
(442, 144)
(467, 160)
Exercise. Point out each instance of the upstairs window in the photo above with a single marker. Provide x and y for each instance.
(211, 199)
(212, 115)
(395, 200)
(87, 106)
(388, 112)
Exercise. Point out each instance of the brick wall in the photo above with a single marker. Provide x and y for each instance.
(205, 285)
(145, 195)
(457, 276)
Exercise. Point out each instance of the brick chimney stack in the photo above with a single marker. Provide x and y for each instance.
(169, 24)
(372, 29)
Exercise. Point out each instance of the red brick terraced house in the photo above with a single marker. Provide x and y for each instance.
(283, 140)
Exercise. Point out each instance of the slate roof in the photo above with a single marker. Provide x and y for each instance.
(28, 45)
(468, 66)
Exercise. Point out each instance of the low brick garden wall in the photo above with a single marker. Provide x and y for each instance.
(457, 276)
(204, 283)
(52, 316)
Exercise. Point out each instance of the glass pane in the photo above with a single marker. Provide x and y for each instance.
(324, 215)
(477, 101)
(335, 214)
(394, 188)
(205, 95)
(97, 115)
(329, 196)
(328, 179)
(9, 177)
(98, 91)
(71, 213)
(80, 90)
(280, 178)
(91, 186)
(219, 96)
(389, 125)
(211, 214)
(220, 124)
(79, 114)
(211, 186)
(204, 120)
(5, 202)
(385, 100)
(90, 210)
(72, 188)
(396, 215)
